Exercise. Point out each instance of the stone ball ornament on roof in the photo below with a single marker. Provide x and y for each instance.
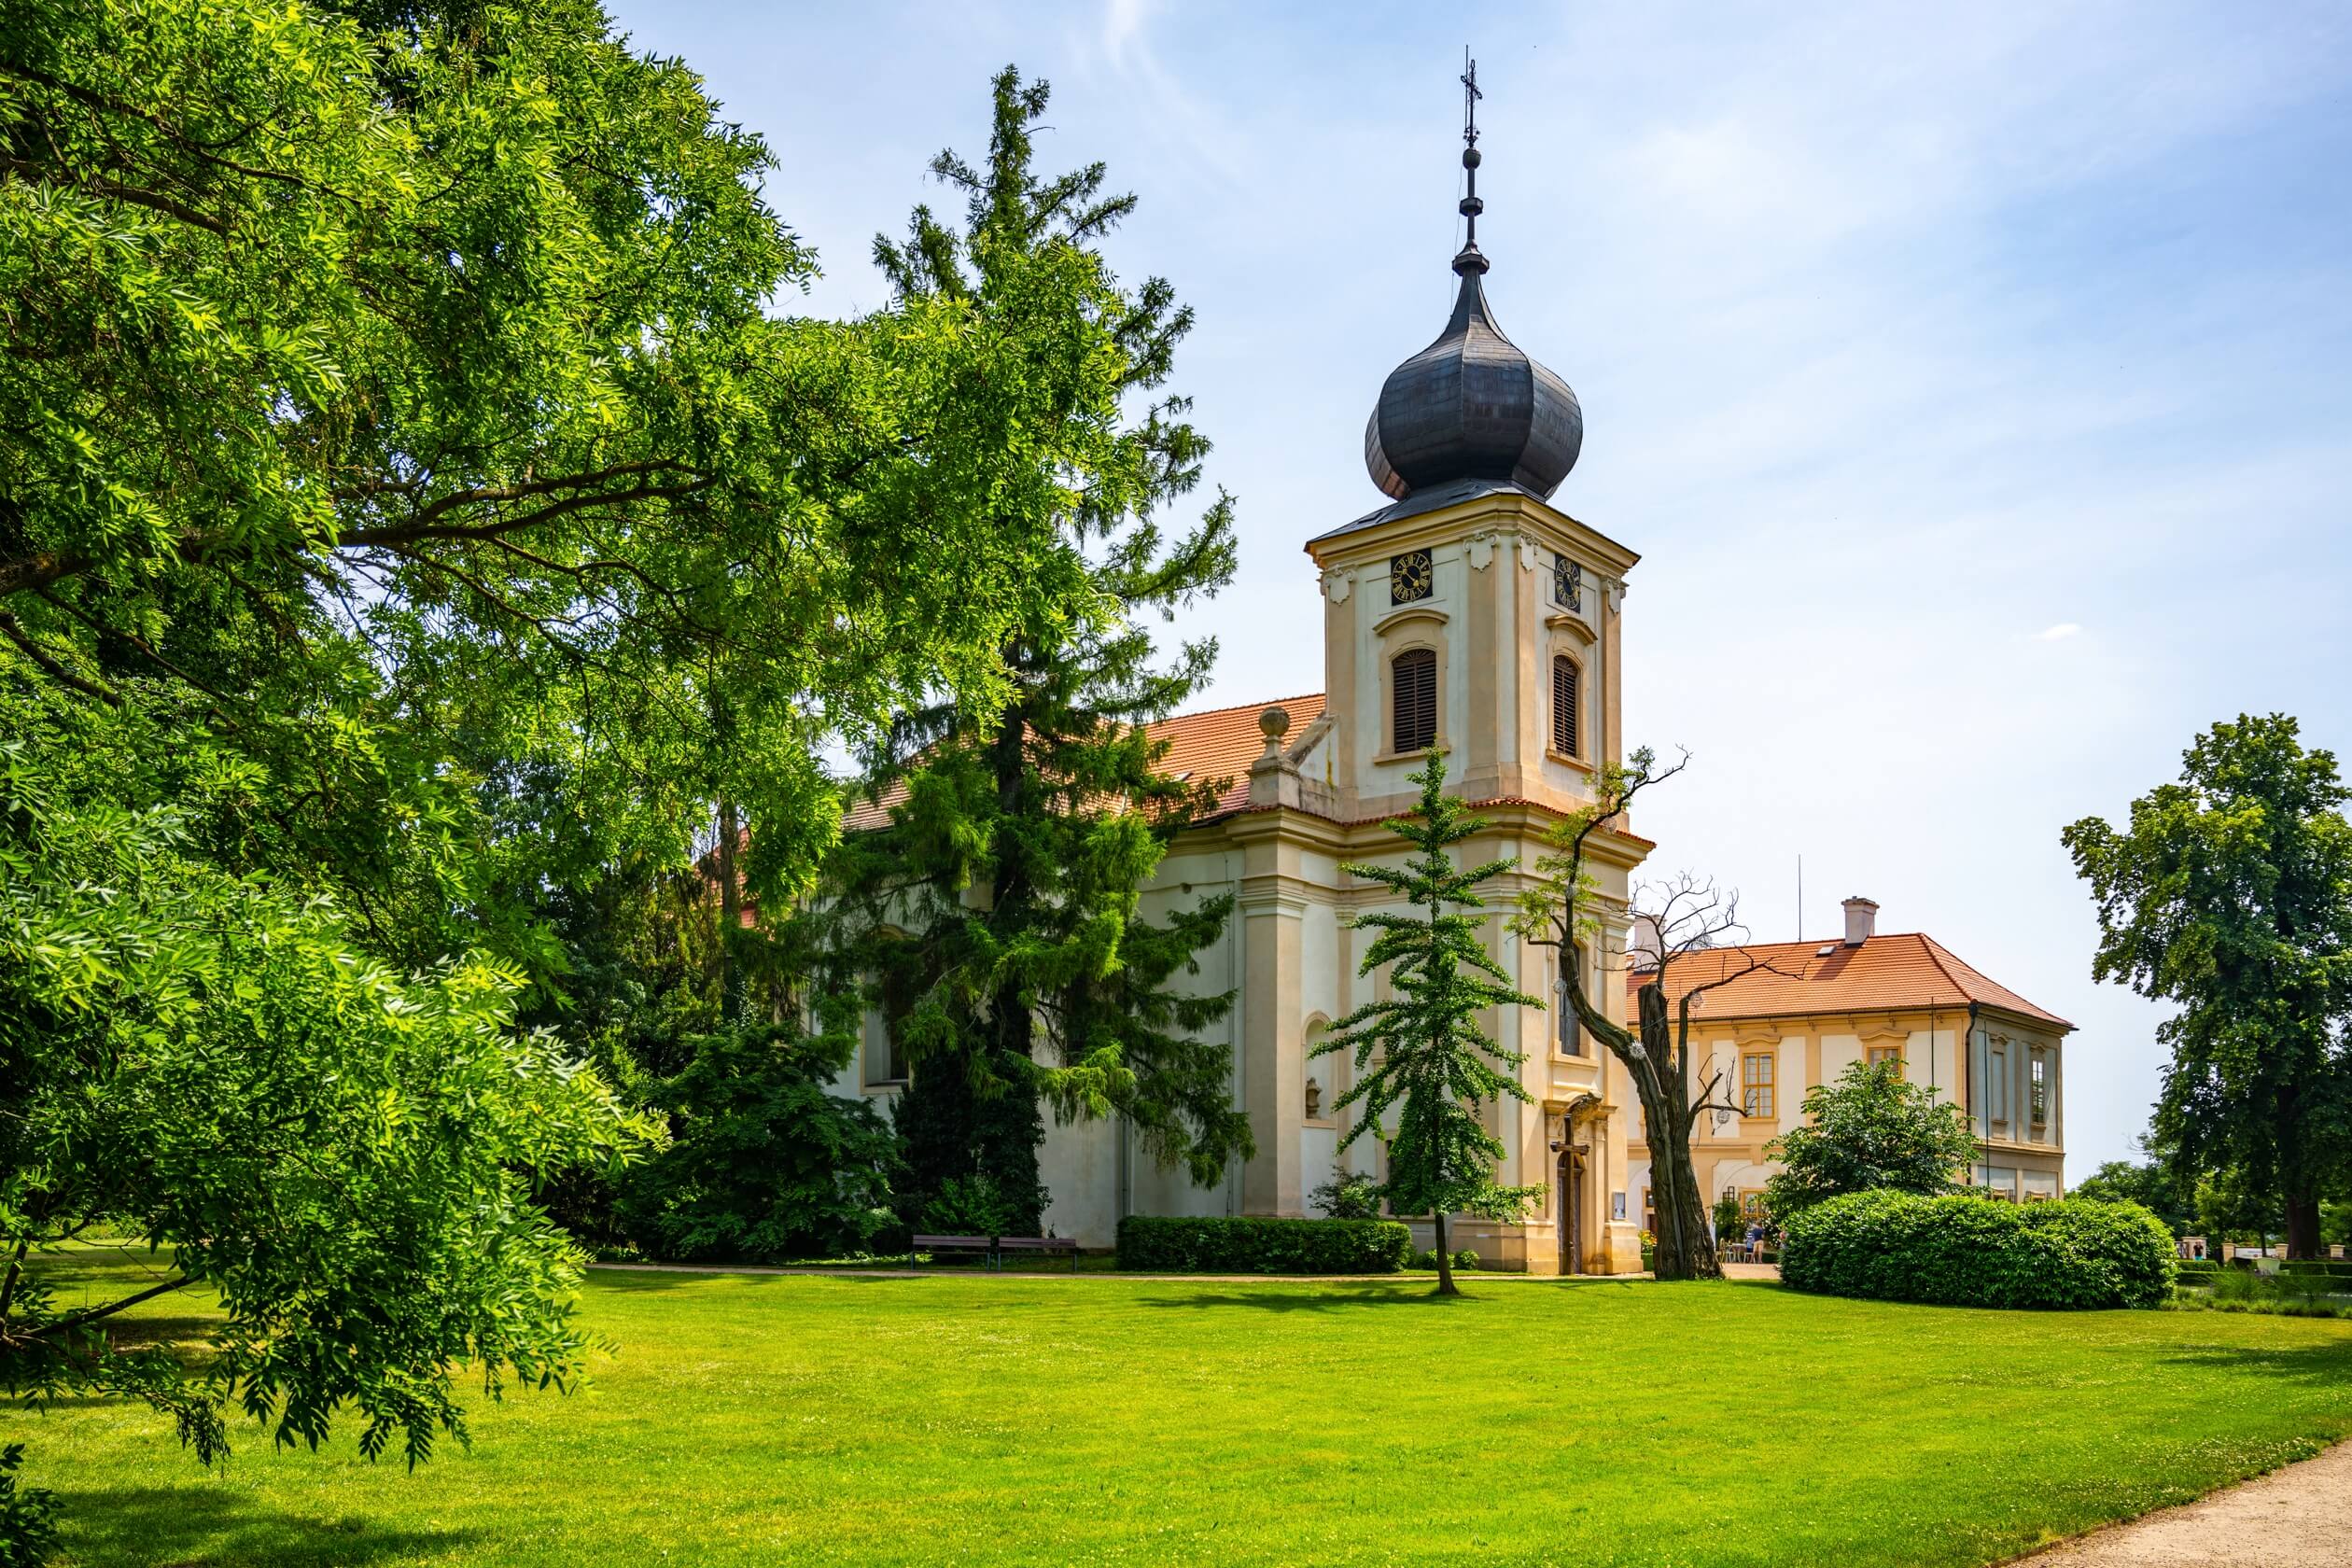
(1473, 405)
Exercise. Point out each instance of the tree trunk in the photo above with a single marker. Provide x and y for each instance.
(2302, 1228)
(1673, 1179)
(729, 915)
(1444, 1261)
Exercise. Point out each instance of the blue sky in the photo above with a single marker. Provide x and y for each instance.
(1973, 380)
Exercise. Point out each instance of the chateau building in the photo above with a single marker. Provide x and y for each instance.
(1470, 612)
(1814, 1009)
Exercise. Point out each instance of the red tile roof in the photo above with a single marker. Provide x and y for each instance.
(1901, 970)
(1217, 744)
(1223, 742)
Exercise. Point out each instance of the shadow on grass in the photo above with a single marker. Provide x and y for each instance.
(2328, 1365)
(201, 1525)
(1301, 1301)
(620, 1277)
(130, 1334)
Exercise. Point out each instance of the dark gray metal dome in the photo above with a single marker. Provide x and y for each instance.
(1472, 405)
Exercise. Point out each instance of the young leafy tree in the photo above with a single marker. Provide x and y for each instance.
(1871, 1131)
(995, 919)
(1421, 1052)
(2150, 1183)
(1693, 920)
(765, 1162)
(2229, 894)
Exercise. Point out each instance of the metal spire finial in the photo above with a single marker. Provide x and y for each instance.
(1468, 260)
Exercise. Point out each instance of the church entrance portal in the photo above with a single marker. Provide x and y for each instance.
(1570, 1191)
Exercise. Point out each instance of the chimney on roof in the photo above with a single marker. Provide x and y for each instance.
(1646, 943)
(1861, 921)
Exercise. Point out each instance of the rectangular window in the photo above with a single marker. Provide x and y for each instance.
(1564, 699)
(1887, 1054)
(1414, 701)
(882, 1062)
(2037, 1089)
(1756, 1085)
(1997, 1102)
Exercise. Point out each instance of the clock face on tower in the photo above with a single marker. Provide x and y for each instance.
(1409, 577)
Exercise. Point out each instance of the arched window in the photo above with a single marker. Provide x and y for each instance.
(1564, 692)
(1414, 699)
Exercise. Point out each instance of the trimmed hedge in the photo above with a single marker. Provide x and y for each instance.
(1263, 1246)
(1967, 1251)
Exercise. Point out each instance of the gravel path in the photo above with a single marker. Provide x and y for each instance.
(2298, 1517)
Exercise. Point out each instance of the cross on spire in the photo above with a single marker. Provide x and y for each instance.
(1468, 260)
(1470, 97)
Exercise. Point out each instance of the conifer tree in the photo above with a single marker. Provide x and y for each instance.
(1422, 1051)
(995, 921)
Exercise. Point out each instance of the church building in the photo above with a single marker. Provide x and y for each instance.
(1468, 611)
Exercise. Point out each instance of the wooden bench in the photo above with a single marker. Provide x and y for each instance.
(994, 1247)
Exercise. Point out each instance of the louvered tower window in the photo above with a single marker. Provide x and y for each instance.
(1564, 695)
(1415, 679)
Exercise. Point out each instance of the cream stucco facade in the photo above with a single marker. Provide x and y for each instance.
(1996, 1065)
(1514, 584)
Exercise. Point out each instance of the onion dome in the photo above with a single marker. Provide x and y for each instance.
(1472, 405)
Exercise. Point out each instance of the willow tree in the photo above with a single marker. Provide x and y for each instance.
(1419, 1053)
(1561, 909)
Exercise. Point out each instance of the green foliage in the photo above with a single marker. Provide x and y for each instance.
(1967, 1251)
(2151, 1185)
(1871, 1131)
(2230, 895)
(995, 921)
(2231, 1207)
(343, 1153)
(1729, 1222)
(1157, 1244)
(434, 454)
(765, 1162)
(1350, 1194)
(973, 1205)
(1421, 1052)
(28, 1516)
(414, 529)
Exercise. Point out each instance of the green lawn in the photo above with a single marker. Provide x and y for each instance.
(1002, 1419)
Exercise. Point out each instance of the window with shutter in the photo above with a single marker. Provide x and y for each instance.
(1415, 678)
(1564, 694)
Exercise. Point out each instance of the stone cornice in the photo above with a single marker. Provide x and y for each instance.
(1505, 510)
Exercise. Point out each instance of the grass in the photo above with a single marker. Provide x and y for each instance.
(1032, 1419)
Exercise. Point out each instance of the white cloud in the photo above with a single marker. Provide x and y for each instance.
(2058, 633)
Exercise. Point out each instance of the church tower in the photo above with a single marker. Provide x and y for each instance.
(1469, 612)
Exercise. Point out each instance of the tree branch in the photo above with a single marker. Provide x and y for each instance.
(57, 671)
(82, 1319)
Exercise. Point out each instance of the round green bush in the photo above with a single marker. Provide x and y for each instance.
(1967, 1251)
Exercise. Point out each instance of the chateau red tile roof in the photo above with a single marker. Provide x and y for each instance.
(1219, 743)
(1901, 970)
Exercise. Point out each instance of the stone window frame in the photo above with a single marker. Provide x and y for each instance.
(1391, 652)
